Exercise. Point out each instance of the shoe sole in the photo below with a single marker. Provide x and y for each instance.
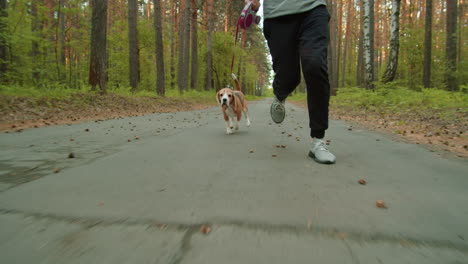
(282, 118)
(312, 155)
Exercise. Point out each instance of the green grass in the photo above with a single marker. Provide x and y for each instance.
(62, 93)
(400, 98)
(396, 99)
(21, 91)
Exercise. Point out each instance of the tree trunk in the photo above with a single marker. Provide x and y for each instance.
(61, 41)
(98, 62)
(346, 44)
(186, 38)
(390, 72)
(339, 32)
(209, 52)
(173, 42)
(428, 45)
(451, 46)
(133, 55)
(332, 62)
(181, 47)
(360, 62)
(36, 28)
(227, 17)
(369, 43)
(160, 78)
(148, 9)
(3, 40)
(194, 68)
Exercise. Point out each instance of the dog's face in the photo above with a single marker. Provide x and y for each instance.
(225, 96)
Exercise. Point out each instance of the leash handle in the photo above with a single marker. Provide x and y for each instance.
(247, 17)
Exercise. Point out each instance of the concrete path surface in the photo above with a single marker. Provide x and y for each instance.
(181, 191)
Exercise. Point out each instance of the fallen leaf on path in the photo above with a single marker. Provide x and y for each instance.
(101, 204)
(87, 130)
(129, 140)
(71, 155)
(380, 204)
(205, 229)
(251, 151)
(362, 182)
(274, 155)
(56, 170)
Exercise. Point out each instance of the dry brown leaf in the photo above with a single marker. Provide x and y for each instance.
(380, 204)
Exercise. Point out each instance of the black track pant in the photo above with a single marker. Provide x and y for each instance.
(302, 39)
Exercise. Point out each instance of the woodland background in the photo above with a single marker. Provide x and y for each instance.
(187, 45)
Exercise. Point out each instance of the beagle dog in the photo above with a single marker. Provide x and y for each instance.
(233, 104)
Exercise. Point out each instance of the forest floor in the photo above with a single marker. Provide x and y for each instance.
(18, 113)
(421, 127)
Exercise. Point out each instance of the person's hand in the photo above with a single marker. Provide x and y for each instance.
(255, 4)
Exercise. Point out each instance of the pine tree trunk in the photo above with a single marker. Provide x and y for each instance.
(451, 46)
(148, 9)
(332, 61)
(360, 61)
(3, 40)
(98, 62)
(194, 62)
(369, 43)
(209, 52)
(134, 65)
(181, 47)
(390, 72)
(227, 17)
(428, 45)
(160, 78)
(346, 44)
(339, 14)
(173, 42)
(186, 69)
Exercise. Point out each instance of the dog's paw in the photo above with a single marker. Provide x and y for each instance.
(228, 131)
(236, 127)
(248, 123)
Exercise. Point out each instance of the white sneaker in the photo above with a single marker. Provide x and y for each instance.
(320, 153)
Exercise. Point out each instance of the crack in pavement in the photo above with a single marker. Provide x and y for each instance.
(184, 246)
(192, 228)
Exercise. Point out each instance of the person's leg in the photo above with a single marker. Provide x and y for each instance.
(281, 34)
(313, 49)
(314, 40)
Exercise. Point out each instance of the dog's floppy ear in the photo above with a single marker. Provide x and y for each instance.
(217, 98)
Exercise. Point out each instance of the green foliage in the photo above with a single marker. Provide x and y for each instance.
(30, 91)
(398, 98)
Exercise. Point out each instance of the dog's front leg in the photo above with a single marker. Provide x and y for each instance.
(246, 114)
(228, 123)
(228, 128)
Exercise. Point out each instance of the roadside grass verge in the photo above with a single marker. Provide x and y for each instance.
(23, 107)
(430, 116)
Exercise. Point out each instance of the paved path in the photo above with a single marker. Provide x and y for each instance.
(144, 201)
